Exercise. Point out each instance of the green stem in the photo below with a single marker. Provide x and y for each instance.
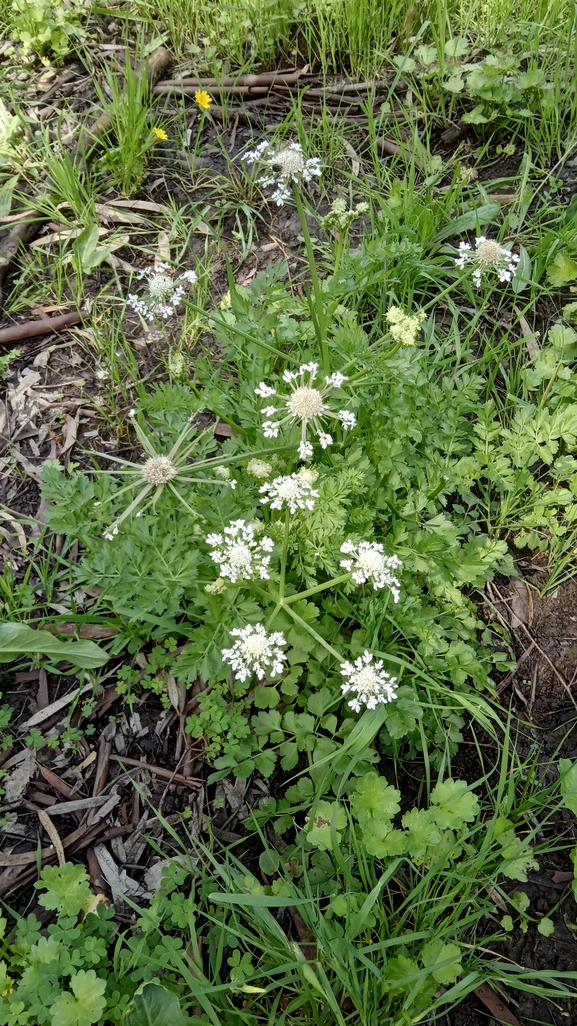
(545, 395)
(284, 555)
(243, 334)
(273, 615)
(298, 619)
(317, 589)
(320, 315)
(445, 292)
(339, 248)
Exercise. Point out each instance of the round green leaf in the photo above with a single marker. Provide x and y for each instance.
(154, 1006)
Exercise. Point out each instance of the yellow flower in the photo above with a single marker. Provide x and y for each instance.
(8, 988)
(203, 99)
(160, 134)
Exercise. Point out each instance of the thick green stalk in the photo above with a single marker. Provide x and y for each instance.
(319, 320)
(284, 556)
(298, 619)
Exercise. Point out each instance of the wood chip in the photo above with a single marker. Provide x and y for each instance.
(83, 630)
(69, 432)
(54, 707)
(54, 780)
(118, 880)
(65, 808)
(531, 343)
(355, 162)
(118, 216)
(162, 250)
(521, 609)
(86, 762)
(154, 208)
(42, 693)
(63, 235)
(16, 783)
(496, 1006)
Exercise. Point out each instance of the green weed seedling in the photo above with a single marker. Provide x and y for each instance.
(47, 26)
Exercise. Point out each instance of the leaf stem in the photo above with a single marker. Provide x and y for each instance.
(319, 320)
(298, 619)
(317, 589)
(284, 556)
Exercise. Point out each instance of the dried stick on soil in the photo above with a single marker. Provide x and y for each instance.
(41, 326)
(218, 90)
(266, 78)
(159, 771)
(14, 878)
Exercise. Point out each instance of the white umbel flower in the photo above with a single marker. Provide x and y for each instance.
(285, 165)
(158, 470)
(488, 256)
(305, 405)
(239, 555)
(368, 562)
(369, 684)
(291, 492)
(256, 652)
(165, 292)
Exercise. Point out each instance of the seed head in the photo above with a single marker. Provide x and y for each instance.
(304, 406)
(489, 252)
(306, 403)
(289, 162)
(158, 470)
(488, 257)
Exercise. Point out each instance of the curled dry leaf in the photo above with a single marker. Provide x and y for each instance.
(118, 880)
(176, 692)
(18, 528)
(53, 834)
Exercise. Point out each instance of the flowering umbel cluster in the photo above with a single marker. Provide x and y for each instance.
(165, 292)
(367, 562)
(402, 327)
(292, 492)
(367, 682)
(240, 555)
(285, 165)
(487, 257)
(341, 217)
(256, 652)
(305, 405)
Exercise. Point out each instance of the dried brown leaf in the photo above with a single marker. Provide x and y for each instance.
(53, 835)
